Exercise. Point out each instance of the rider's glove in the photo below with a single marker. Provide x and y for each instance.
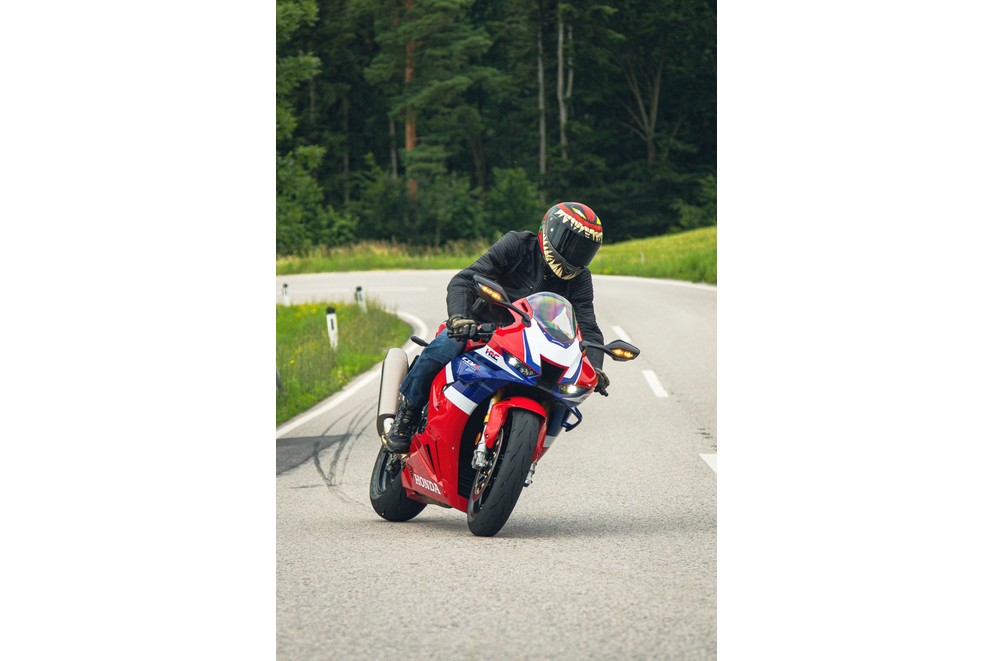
(461, 326)
(602, 383)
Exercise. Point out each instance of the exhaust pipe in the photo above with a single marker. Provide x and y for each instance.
(394, 368)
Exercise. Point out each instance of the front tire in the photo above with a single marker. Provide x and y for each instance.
(386, 492)
(496, 488)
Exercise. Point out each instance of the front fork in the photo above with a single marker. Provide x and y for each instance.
(480, 457)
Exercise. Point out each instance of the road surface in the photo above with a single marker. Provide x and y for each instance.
(611, 553)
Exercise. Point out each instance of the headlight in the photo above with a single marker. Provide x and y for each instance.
(519, 365)
(570, 389)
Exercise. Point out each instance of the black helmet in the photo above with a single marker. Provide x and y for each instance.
(571, 235)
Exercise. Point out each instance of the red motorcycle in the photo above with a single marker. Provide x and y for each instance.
(493, 412)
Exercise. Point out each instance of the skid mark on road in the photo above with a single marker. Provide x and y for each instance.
(357, 424)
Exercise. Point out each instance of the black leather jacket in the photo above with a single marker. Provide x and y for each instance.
(517, 263)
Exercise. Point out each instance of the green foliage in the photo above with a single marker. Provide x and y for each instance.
(291, 70)
(473, 98)
(513, 202)
(302, 220)
(703, 213)
(451, 208)
(309, 370)
(382, 207)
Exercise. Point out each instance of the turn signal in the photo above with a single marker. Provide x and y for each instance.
(491, 293)
(623, 353)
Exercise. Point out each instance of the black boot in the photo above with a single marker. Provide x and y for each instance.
(404, 424)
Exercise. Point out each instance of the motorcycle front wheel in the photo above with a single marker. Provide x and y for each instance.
(497, 486)
(389, 499)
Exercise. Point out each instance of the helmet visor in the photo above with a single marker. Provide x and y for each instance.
(575, 250)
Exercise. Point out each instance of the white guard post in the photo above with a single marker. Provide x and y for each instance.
(285, 293)
(360, 297)
(332, 327)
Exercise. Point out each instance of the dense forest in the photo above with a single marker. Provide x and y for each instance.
(430, 121)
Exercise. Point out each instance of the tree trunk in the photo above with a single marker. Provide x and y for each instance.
(411, 121)
(645, 117)
(313, 103)
(671, 138)
(393, 158)
(562, 109)
(346, 166)
(542, 162)
(479, 157)
(571, 67)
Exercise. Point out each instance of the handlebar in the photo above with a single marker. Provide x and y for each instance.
(482, 333)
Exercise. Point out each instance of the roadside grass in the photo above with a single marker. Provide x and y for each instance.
(687, 256)
(307, 367)
(380, 255)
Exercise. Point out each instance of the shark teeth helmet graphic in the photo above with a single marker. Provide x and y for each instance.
(571, 234)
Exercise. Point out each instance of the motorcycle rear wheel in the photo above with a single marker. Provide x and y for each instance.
(495, 490)
(386, 492)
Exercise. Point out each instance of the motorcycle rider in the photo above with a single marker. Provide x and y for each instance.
(556, 259)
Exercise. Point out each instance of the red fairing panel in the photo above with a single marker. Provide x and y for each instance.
(587, 378)
(499, 412)
(430, 460)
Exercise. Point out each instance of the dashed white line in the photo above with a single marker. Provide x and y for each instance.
(654, 383)
(710, 460)
(621, 334)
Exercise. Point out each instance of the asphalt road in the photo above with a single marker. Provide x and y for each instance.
(610, 554)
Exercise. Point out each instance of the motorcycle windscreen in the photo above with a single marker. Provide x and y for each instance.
(554, 314)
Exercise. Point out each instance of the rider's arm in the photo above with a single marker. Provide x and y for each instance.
(496, 261)
(580, 296)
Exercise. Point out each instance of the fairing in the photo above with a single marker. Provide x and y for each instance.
(549, 347)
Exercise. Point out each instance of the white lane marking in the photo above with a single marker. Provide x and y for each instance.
(710, 460)
(620, 334)
(654, 383)
(354, 386)
(420, 330)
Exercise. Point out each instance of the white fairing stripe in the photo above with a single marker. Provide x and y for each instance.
(460, 400)
(540, 345)
(449, 376)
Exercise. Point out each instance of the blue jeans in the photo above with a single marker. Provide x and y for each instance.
(416, 386)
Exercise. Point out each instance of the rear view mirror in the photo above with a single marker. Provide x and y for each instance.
(617, 349)
(493, 292)
(620, 350)
(489, 289)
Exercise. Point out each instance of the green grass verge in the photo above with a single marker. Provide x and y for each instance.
(375, 256)
(309, 370)
(686, 256)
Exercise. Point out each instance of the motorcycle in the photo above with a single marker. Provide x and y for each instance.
(493, 412)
